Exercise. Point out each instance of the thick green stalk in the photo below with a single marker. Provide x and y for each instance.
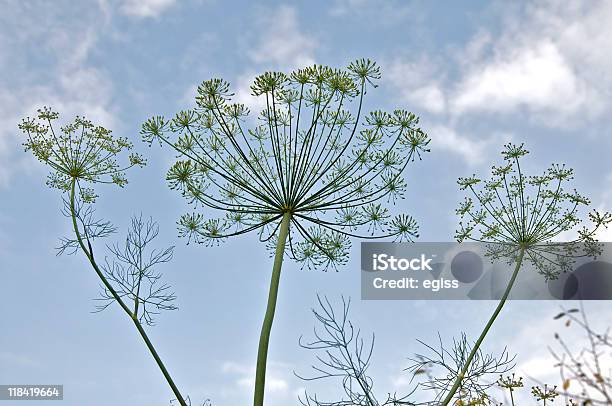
(264, 338)
(500, 305)
(109, 287)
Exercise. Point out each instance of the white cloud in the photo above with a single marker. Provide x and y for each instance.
(548, 61)
(243, 93)
(431, 97)
(272, 384)
(146, 8)
(539, 367)
(416, 84)
(473, 151)
(537, 77)
(605, 234)
(402, 381)
(245, 377)
(605, 204)
(282, 43)
(419, 85)
(545, 63)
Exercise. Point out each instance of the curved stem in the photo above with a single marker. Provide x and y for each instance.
(264, 338)
(501, 304)
(132, 314)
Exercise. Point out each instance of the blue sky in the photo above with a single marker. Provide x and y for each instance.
(478, 73)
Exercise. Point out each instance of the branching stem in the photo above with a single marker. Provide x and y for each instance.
(132, 314)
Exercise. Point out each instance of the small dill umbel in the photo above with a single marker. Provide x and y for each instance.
(522, 219)
(82, 156)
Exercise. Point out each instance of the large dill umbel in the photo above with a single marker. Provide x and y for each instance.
(311, 173)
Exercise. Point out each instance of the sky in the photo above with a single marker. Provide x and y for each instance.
(478, 73)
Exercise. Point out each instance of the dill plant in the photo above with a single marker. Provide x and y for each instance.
(523, 219)
(311, 173)
(81, 157)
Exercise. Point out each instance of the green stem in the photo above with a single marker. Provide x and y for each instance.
(133, 315)
(159, 362)
(464, 370)
(264, 338)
